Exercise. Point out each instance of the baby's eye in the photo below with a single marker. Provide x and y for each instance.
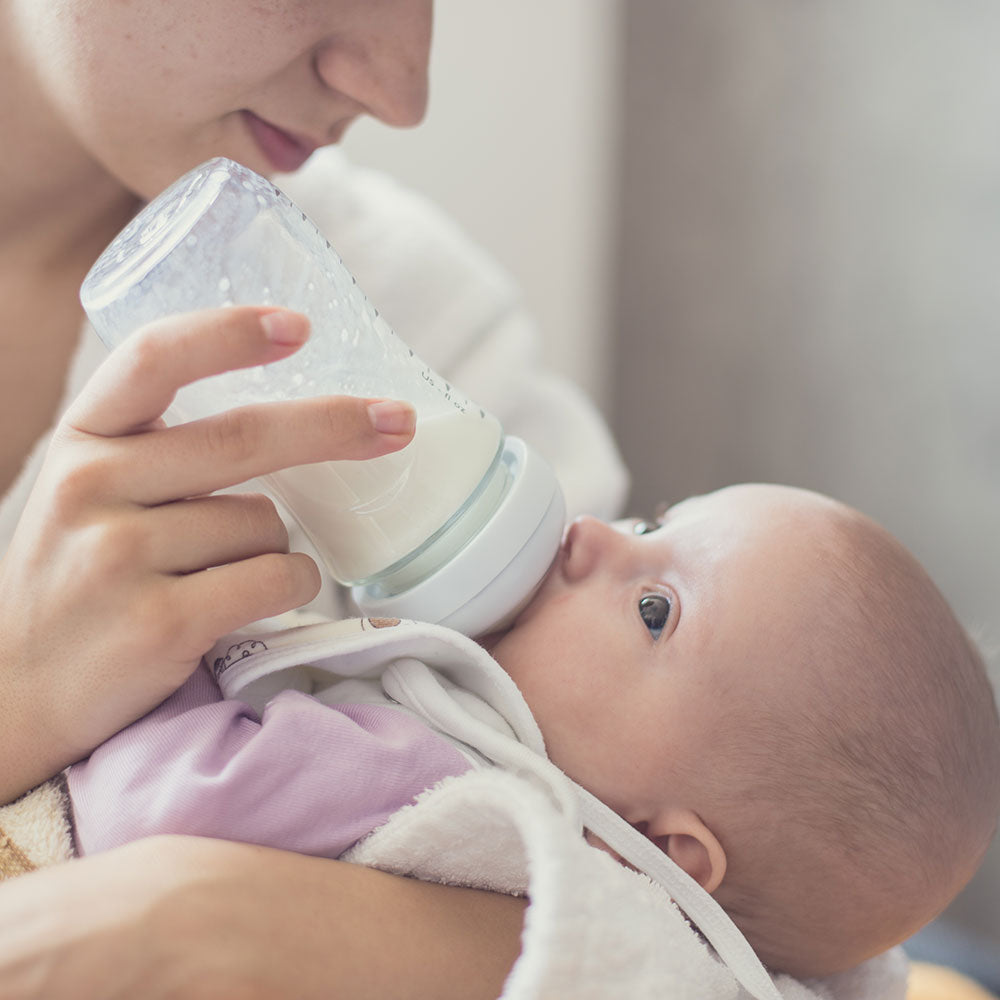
(654, 609)
(644, 527)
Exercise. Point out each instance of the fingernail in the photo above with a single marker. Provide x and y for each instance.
(284, 327)
(392, 416)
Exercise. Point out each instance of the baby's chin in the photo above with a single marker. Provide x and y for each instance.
(494, 643)
(522, 613)
(490, 640)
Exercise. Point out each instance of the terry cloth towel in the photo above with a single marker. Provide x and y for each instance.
(595, 930)
(35, 830)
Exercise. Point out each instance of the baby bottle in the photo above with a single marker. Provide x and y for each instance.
(456, 528)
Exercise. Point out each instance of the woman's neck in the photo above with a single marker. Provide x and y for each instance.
(58, 210)
(57, 207)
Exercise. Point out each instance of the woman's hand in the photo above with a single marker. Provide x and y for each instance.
(175, 918)
(124, 569)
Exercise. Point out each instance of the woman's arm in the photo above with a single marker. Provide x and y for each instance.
(173, 918)
(124, 568)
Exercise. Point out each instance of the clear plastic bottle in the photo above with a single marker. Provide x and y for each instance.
(458, 527)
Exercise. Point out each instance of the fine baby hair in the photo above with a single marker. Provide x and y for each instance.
(857, 803)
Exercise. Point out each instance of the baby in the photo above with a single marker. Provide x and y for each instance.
(763, 682)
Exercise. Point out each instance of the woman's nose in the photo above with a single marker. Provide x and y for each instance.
(589, 542)
(383, 66)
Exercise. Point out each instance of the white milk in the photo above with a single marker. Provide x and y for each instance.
(365, 516)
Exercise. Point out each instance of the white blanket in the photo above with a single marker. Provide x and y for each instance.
(595, 930)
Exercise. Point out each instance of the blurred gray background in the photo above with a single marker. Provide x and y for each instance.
(808, 286)
(765, 234)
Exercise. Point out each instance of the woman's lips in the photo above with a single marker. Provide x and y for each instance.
(284, 151)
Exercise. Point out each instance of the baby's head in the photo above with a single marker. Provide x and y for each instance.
(769, 686)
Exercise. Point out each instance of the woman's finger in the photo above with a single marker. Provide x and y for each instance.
(214, 602)
(139, 380)
(190, 535)
(172, 463)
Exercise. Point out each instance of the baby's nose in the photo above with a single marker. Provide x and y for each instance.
(588, 541)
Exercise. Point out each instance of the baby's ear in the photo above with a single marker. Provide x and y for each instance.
(688, 842)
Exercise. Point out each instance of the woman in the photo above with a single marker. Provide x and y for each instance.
(106, 522)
